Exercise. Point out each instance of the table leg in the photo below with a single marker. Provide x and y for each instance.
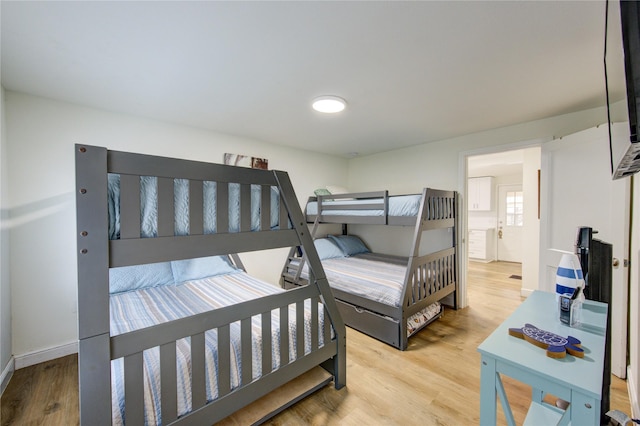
(488, 405)
(504, 402)
(584, 410)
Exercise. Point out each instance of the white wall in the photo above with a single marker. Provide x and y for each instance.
(633, 372)
(6, 365)
(437, 164)
(41, 134)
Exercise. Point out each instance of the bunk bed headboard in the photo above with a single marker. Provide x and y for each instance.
(259, 228)
(93, 164)
(131, 249)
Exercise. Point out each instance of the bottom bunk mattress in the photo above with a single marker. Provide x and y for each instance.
(139, 309)
(376, 277)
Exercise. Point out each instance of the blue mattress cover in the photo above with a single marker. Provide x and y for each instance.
(149, 206)
(399, 205)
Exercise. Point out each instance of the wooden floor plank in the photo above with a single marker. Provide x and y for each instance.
(43, 394)
(435, 382)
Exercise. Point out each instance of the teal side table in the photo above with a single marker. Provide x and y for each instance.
(576, 380)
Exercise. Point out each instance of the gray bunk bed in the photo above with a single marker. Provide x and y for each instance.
(157, 345)
(421, 279)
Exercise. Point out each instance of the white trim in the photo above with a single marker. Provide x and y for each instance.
(633, 398)
(6, 375)
(32, 358)
(526, 292)
(494, 149)
(463, 259)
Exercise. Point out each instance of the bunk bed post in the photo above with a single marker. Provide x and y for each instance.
(94, 363)
(411, 264)
(437, 206)
(331, 309)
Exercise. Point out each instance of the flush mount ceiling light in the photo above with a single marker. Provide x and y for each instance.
(329, 104)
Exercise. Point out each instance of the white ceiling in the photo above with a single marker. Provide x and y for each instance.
(411, 72)
(503, 163)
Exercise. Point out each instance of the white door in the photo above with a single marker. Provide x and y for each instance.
(510, 222)
(577, 190)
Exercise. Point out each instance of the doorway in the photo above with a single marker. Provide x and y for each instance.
(513, 216)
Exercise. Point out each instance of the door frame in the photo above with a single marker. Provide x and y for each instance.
(463, 174)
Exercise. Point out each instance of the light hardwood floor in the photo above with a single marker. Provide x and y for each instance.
(435, 382)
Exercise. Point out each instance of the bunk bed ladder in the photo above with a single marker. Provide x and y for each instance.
(337, 366)
(292, 270)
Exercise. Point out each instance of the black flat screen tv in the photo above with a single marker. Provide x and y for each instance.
(622, 80)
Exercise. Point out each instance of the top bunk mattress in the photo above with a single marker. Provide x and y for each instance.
(399, 205)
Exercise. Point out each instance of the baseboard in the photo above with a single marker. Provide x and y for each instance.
(6, 375)
(526, 292)
(37, 357)
(633, 397)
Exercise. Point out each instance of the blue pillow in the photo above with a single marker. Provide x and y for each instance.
(327, 249)
(349, 244)
(128, 278)
(201, 267)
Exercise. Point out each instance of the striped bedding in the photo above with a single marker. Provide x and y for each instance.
(142, 308)
(367, 276)
(376, 277)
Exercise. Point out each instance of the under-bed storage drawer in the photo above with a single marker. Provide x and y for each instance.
(378, 326)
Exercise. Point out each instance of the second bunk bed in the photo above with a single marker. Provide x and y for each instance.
(387, 297)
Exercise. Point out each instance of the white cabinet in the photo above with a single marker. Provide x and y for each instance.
(481, 244)
(480, 193)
